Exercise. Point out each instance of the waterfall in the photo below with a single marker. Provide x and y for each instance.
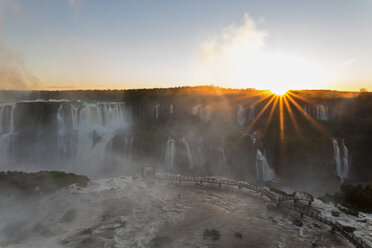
(251, 113)
(196, 110)
(157, 106)
(337, 156)
(171, 109)
(241, 116)
(61, 132)
(342, 165)
(189, 154)
(345, 160)
(170, 154)
(205, 113)
(322, 113)
(7, 131)
(74, 116)
(97, 125)
(263, 170)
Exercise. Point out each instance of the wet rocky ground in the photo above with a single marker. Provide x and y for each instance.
(132, 212)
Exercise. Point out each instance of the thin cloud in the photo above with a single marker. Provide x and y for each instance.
(76, 4)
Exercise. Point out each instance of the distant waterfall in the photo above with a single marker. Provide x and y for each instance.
(170, 154)
(171, 109)
(196, 110)
(322, 113)
(319, 111)
(7, 131)
(342, 165)
(189, 154)
(204, 113)
(97, 124)
(157, 111)
(263, 170)
(61, 132)
(251, 113)
(7, 118)
(345, 160)
(241, 116)
(128, 148)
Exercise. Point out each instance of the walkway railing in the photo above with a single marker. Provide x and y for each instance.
(279, 199)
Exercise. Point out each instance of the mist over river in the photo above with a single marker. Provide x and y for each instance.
(308, 140)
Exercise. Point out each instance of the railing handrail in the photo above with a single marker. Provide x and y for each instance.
(279, 200)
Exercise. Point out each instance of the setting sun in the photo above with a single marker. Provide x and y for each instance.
(279, 92)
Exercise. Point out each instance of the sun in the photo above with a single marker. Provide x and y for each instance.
(279, 91)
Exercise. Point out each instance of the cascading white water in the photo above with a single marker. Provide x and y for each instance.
(342, 165)
(97, 123)
(189, 154)
(345, 160)
(337, 157)
(157, 111)
(263, 170)
(241, 116)
(171, 109)
(128, 149)
(61, 133)
(7, 131)
(170, 154)
(322, 113)
(251, 113)
(196, 110)
(205, 113)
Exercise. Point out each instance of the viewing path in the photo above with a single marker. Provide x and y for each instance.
(279, 198)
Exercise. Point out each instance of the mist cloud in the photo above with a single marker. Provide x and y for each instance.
(13, 72)
(239, 57)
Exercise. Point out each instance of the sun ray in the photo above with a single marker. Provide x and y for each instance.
(281, 119)
(260, 113)
(309, 118)
(292, 117)
(300, 97)
(262, 99)
(271, 115)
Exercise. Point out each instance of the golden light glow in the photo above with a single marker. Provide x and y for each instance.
(279, 91)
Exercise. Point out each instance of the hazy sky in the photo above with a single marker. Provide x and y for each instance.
(56, 44)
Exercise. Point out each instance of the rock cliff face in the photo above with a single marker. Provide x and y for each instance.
(198, 131)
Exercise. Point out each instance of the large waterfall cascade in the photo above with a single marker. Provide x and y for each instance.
(264, 171)
(170, 154)
(342, 164)
(83, 130)
(157, 111)
(241, 116)
(171, 109)
(96, 125)
(7, 130)
(204, 113)
(188, 151)
(318, 111)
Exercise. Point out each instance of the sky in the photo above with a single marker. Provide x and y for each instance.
(121, 44)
